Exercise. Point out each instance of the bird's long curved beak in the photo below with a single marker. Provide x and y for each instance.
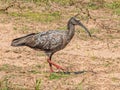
(80, 24)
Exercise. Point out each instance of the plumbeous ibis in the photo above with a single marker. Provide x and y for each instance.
(50, 41)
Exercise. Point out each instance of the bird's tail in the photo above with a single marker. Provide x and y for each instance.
(21, 40)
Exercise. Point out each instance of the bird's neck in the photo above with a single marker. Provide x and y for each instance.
(71, 30)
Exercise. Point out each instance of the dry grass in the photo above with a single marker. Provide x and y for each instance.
(94, 62)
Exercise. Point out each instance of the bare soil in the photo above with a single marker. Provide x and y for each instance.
(20, 67)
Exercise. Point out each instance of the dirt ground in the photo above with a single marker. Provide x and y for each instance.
(21, 67)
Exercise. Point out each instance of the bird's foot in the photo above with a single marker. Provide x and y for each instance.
(59, 67)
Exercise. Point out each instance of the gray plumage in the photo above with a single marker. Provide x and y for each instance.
(50, 41)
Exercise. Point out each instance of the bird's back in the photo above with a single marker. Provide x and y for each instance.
(52, 40)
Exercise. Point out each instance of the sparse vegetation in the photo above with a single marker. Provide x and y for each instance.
(57, 76)
(38, 84)
(34, 71)
(8, 68)
(61, 2)
(94, 58)
(115, 6)
(42, 17)
(115, 79)
(80, 86)
(94, 31)
(26, 69)
(96, 4)
(4, 84)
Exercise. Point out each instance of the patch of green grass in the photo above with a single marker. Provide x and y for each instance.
(116, 46)
(4, 84)
(110, 36)
(15, 28)
(15, 14)
(47, 2)
(38, 84)
(38, 66)
(8, 68)
(94, 58)
(4, 67)
(64, 2)
(115, 6)
(96, 4)
(114, 79)
(34, 71)
(5, 1)
(57, 76)
(117, 11)
(41, 17)
(92, 6)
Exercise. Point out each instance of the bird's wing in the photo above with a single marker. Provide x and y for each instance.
(31, 40)
(24, 40)
(49, 40)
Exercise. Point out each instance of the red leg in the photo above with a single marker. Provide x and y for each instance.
(51, 70)
(57, 66)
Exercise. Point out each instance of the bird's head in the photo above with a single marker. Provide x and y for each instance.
(76, 21)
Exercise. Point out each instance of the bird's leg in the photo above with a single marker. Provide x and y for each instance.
(57, 66)
(51, 63)
(51, 70)
(49, 59)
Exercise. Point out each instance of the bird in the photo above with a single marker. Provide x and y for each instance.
(50, 41)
